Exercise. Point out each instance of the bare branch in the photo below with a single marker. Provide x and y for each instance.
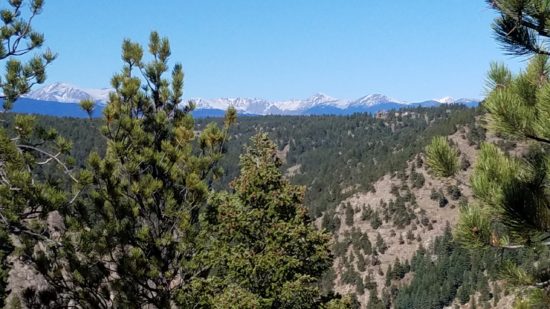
(67, 170)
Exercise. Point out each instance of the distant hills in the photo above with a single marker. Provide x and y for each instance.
(60, 99)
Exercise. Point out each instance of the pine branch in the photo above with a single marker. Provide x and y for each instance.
(538, 139)
(521, 21)
(67, 170)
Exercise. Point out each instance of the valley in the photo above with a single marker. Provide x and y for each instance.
(380, 209)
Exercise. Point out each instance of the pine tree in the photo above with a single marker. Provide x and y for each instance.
(268, 247)
(349, 215)
(512, 208)
(140, 233)
(441, 157)
(381, 245)
(18, 38)
(20, 154)
(374, 302)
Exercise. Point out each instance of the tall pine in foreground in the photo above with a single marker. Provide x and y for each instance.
(512, 207)
(139, 233)
(270, 254)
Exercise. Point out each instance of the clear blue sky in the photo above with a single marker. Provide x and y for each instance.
(282, 49)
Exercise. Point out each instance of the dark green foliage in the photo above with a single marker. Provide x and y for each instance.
(142, 212)
(400, 211)
(345, 160)
(330, 222)
(417, 179)
(483, 288)
(325, 173)
(5, 248)
(397, 271)
(476, 135)
(360, 241)
(370, 284)
(350, 276)
(18, 38)
(381, 245)
(361, 262)
(374, 302)
(23, 197)
(145, 227)
(327, 281)
(394, 190)
(375, 221)
(439, 197)
(339, 248)
(463, 294)
(267, 246)
(278, 127)
(448, 272)
(464, 163)
(388, 276)
(349, 214)
(513, 197)
(366, 213)
(454, 192)
(443, 201)
(435, 282)
(359, 286)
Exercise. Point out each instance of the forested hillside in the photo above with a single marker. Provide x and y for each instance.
(336, 158)
(432, 205)
(333, 156)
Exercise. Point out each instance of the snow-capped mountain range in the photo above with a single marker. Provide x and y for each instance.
(315, 105)
(66, 93)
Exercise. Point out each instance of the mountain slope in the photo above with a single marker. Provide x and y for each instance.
(409, 218)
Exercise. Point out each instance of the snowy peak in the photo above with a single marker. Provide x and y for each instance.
(450, 100)
(318, 103)
(100, 95)
(240, 104)
(66, 93)
(373, 99)
(445, 100)
(320, 98)
(60, 92)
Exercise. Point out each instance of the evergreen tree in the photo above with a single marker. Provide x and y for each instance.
(513, 199)
(20, 154)
(441, 157)
(140, 233)
(380, 244)
(349, 215)
(268, 247)
(374, 302)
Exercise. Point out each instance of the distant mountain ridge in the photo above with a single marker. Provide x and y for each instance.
(43, 101)
(67, 93)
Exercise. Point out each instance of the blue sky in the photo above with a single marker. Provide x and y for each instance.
(410, 50)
